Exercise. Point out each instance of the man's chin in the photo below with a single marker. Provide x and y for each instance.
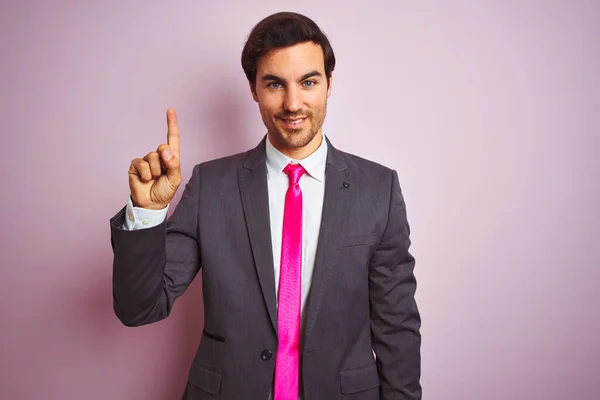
(294, 137)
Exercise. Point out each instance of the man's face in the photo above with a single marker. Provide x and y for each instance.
(292, 92)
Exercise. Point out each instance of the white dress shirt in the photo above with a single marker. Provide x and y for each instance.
(312, 184)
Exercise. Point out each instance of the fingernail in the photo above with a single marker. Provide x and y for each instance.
(167, 154)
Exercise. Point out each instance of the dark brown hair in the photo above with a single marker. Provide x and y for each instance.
(280, 30)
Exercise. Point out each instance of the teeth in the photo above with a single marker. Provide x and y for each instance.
(295, 122)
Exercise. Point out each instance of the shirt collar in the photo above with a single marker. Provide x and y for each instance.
(314, 164)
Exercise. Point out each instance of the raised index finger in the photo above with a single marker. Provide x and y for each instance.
(173, 131)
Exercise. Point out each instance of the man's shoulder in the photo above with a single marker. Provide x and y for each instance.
(357, 161)
(225, 162)
(374, 175)
(364, 165)
(222, 165)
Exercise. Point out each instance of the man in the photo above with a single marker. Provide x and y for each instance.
(308, 282)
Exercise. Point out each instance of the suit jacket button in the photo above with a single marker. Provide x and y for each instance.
(266, 355)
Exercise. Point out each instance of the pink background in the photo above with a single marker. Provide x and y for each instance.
(489, 111)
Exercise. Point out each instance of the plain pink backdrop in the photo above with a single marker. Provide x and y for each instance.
(489, 111)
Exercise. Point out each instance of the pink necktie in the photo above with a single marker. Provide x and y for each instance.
(289, 298)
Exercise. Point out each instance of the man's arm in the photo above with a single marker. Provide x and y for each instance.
(152, 267)
(395, 319)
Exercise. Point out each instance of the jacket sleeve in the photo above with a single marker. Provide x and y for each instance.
(152, 267)
(395, 319)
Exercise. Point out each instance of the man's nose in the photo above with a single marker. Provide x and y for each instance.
(293, 100)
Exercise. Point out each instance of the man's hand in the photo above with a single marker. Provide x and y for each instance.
(154, 179)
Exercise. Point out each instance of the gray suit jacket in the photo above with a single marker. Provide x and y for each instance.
(361, 299)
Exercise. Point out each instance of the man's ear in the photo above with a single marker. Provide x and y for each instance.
(253, 91)
(329, 84)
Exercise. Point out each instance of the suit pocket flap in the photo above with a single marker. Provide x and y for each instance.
(360, 240)
(357, 380)
(205, 379)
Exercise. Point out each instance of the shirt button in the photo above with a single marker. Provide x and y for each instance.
(145, 222)
(131, 217)
(266, 355)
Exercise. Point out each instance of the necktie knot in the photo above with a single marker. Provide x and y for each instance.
(294, 172)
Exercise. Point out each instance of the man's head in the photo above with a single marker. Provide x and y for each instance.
(288, 62)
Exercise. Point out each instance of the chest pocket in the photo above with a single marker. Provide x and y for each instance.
(360, 240)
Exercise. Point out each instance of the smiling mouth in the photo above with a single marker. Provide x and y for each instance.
(293, 121)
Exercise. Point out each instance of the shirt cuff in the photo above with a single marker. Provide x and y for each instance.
(142, 218)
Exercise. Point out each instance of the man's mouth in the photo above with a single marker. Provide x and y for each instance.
(294, 122)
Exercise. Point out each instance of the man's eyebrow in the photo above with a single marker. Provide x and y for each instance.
(309, 75)
(271, 77)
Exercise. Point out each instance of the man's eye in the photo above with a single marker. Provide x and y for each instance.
(273, 85)
(309, 83)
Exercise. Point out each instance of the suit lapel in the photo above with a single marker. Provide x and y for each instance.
(252, 179)
(337, 203)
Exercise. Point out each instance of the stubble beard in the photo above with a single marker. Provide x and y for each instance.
(298, 138)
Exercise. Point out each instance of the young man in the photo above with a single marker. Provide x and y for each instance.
(308, 282)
